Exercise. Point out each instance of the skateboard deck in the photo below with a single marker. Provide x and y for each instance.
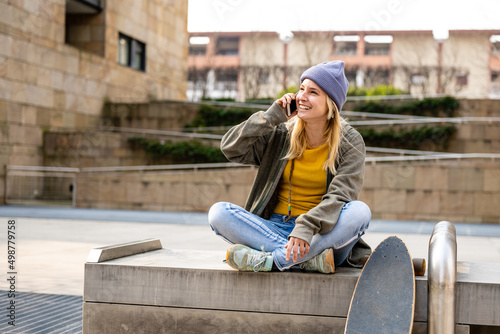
(384, 296)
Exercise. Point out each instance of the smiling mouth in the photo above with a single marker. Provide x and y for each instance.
(302, 107)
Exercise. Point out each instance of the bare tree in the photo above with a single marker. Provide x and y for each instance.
(375, 76)
(421, 78)
(317, 46)
(197, 79)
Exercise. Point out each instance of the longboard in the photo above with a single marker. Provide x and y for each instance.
(384, 297)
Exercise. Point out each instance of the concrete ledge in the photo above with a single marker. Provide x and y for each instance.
(102, 254)
(190, 288)
(478, 294)
(109, 318)
(201, 280)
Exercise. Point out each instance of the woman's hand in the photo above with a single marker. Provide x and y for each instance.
(286, 100)
(297, 246)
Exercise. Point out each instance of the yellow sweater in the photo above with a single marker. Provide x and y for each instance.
(308, 182)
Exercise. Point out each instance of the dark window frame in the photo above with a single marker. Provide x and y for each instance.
(377, 49)
(495, 49)
(197, 50)
(222, 46)
(462, 79)
(133, 60)
(341, 48)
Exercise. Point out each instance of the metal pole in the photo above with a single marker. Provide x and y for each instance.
(5, 185)
(73, 198)
(442, 276)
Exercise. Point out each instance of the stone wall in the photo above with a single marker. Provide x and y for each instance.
(48, 84)
(454, 191)
(101, 146)
(476, 138)
(468, 107)
(90, 148)
(457, 192)
(163, 190)
(154, 115)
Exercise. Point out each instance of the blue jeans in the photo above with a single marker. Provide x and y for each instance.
(238, 226)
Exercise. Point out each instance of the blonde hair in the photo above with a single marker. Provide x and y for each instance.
(332, 134)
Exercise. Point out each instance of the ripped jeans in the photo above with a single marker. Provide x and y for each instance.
(238, 226)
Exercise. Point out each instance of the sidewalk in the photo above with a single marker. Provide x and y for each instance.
(53, 243)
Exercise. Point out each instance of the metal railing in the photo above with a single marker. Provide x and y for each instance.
(437, 156)
(413, 155)
(427, 120)
(194, 167)
(42, 182)
(384, 119)
(168, 133)
(33, 182)
(442, 276)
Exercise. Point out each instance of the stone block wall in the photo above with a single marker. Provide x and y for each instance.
(458, 192)
(101, 148)
(48, 84)
(468, 107)
(476, 138)
(90, 148)
(163, 191)
(154, 115)
(32, 188)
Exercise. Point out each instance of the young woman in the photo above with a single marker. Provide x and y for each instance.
(303, 206)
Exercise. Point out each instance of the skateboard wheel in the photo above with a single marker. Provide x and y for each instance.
(418, 265)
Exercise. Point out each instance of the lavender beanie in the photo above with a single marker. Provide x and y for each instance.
(331, 78)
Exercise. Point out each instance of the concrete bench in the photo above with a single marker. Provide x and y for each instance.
(143, 288)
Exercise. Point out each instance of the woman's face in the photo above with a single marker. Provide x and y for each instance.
(311, 102)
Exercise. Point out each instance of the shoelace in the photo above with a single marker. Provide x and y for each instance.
(260, 258)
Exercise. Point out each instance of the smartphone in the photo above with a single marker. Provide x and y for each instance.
(291, 108)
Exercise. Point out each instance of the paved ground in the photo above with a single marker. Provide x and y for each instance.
(53, 243)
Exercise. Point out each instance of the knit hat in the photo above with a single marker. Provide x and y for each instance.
(331, 78)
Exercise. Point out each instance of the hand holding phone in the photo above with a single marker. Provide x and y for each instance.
(291, 107)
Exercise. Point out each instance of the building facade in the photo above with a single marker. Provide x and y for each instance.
(61, 60)
(249, 65)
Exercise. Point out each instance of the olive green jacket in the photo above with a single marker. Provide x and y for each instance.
(262, 140)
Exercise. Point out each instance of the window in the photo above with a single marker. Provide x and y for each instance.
(226, 79)
(495, 45)
(264, 78)
(495, 85)
(345, 48)
(197, 50)
(417, 79)
(198, 45)
(378, 44)
(131, 53)
(227, 46)
(495, 76)
(345, 45)
(85, 25)
(462, 79)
